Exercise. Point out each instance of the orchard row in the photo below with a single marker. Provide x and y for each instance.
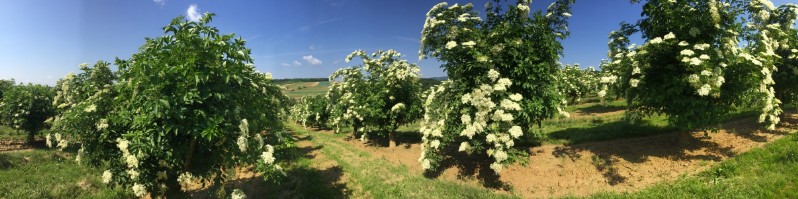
(190, 105)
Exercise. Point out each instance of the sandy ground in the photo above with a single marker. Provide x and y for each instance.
(618, 165)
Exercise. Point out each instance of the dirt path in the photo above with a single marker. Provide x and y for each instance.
(618, 165)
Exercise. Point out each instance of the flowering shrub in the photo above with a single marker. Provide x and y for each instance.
(777, 43)
(26, 107)
(693, 68)
(311, 110)
(616, 74)
(487, 61)
(188, 106)
(576, 83)
(83, 102)
(382, 93)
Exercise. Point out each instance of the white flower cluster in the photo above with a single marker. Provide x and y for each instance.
(492, 107)
(243, 136)
(708, 80)
(397, 107)
(268, 154)
(139, 190)
(238, 194)
(60, 141)
(107, 176)
(433, 124)
(184, 179)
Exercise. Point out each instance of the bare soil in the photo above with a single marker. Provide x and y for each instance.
(618, 165)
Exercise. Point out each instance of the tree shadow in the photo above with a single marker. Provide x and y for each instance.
(599, 108)
(301, 179)
(603, 131)
(403, 139)
(474, 165)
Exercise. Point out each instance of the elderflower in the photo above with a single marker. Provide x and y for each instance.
(634, 82)
(139, 190)
(451, 44)
(397, 107)
(465, 119)
(107, 175)
(469, 43)
(683, 43)
(656, 40)
(242, 143)
(463, 146)
(687, 52)
(268, 155)
(706, 73)
(185, 178)
(132, 161)
(566, 14)
(90, 108)
(704, 57)
(516, 97)
(238, 194)
(435, 144)
(516, 131)
(720, 81)
(602, 93)
(695, 61)
(496, 167)
(704, 90)
(693, 78)
(493, 74)
(425, 164)
(670, 36)
(102, 125)
(500, 155)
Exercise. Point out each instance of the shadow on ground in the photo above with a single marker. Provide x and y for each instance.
(301, 180)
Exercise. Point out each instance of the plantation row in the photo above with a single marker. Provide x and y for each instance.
(190, 105)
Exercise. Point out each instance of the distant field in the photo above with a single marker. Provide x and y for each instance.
(300, 89)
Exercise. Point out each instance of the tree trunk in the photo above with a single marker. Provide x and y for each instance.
(191, 146)
(31, 137)
(392, 139)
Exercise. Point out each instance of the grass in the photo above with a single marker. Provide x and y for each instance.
(298, 90)
(768, 172)
(50, 174)
(377, 178)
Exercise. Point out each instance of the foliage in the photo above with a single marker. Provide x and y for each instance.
(692, 67)
(616, 74)
(475, 54)
(26, 107)
(382, 93)
(576, 83)
(311, 110)
(189, 105)
(82, 102)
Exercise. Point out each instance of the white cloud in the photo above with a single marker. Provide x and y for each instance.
(193, 13)
(311, 60)
(312, 47)
(296, 63)
(285, 64)
(336, 62)
(159, 2)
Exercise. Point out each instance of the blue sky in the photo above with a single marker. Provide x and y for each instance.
(42, 40)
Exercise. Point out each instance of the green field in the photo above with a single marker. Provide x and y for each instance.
(300, 89)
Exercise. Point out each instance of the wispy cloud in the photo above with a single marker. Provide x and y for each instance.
(159, 2)
(285, 64)
(297, 63)
(193, 13)
(305, 53)
(311, 60)
(304, 28)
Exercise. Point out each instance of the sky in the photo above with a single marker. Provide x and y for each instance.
(42, 40)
